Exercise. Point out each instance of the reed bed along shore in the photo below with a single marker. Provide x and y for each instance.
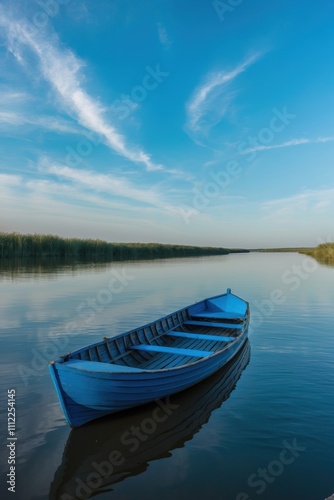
(16, 245)
(323, 253)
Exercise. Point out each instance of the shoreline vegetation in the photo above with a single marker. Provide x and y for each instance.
(288, 249)
(323, 253)
(22, 246)
(48, 246)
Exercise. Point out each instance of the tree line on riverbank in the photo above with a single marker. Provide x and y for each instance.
(17, 245)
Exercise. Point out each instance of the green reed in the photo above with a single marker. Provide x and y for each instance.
(323, 253)
(16, 245)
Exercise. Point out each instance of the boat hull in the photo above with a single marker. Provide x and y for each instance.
(174, 422)
(88, 390)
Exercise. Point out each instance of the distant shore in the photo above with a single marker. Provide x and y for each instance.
(22, 246)
(323, 253)
(17, 245)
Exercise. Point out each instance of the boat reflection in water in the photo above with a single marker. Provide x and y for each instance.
(113, 448)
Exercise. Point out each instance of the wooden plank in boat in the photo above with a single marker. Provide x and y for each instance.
(97, 366)
(212, 324)
(200, 336)
(219, 314)
(172, 350)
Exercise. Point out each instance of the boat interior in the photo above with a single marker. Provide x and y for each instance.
(178, 339)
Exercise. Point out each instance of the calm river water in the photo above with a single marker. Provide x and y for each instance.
(261, 429)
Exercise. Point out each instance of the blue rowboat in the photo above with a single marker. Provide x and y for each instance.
(151, 362)
(121, 445)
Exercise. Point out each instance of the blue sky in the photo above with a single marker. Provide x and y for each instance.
(205, 123)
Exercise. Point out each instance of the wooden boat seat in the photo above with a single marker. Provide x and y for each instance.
(98, 366)
(172, 350)
(212, 324)
(199, 336)
(219, 315)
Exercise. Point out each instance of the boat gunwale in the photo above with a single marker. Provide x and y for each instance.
(62, 361)
(149, 372)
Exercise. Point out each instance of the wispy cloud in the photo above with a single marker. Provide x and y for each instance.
(11, 96)
(163, 36)
(313, 201)
(202, 108)
(292, 142)
(63, 71)
(9, 180)
(18, 110)
(36, 205)
(52, 123)
(66, 201)
(109, 185)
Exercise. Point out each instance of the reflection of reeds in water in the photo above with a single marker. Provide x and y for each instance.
(113, 448)
(46, 266)
(15, 245)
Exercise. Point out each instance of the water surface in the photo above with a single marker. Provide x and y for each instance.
(231, 437)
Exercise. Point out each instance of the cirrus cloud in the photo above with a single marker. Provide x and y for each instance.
(63, 71)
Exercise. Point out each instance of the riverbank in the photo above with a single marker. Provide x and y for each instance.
(288, 249)
(323, 253)
(16, 245)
